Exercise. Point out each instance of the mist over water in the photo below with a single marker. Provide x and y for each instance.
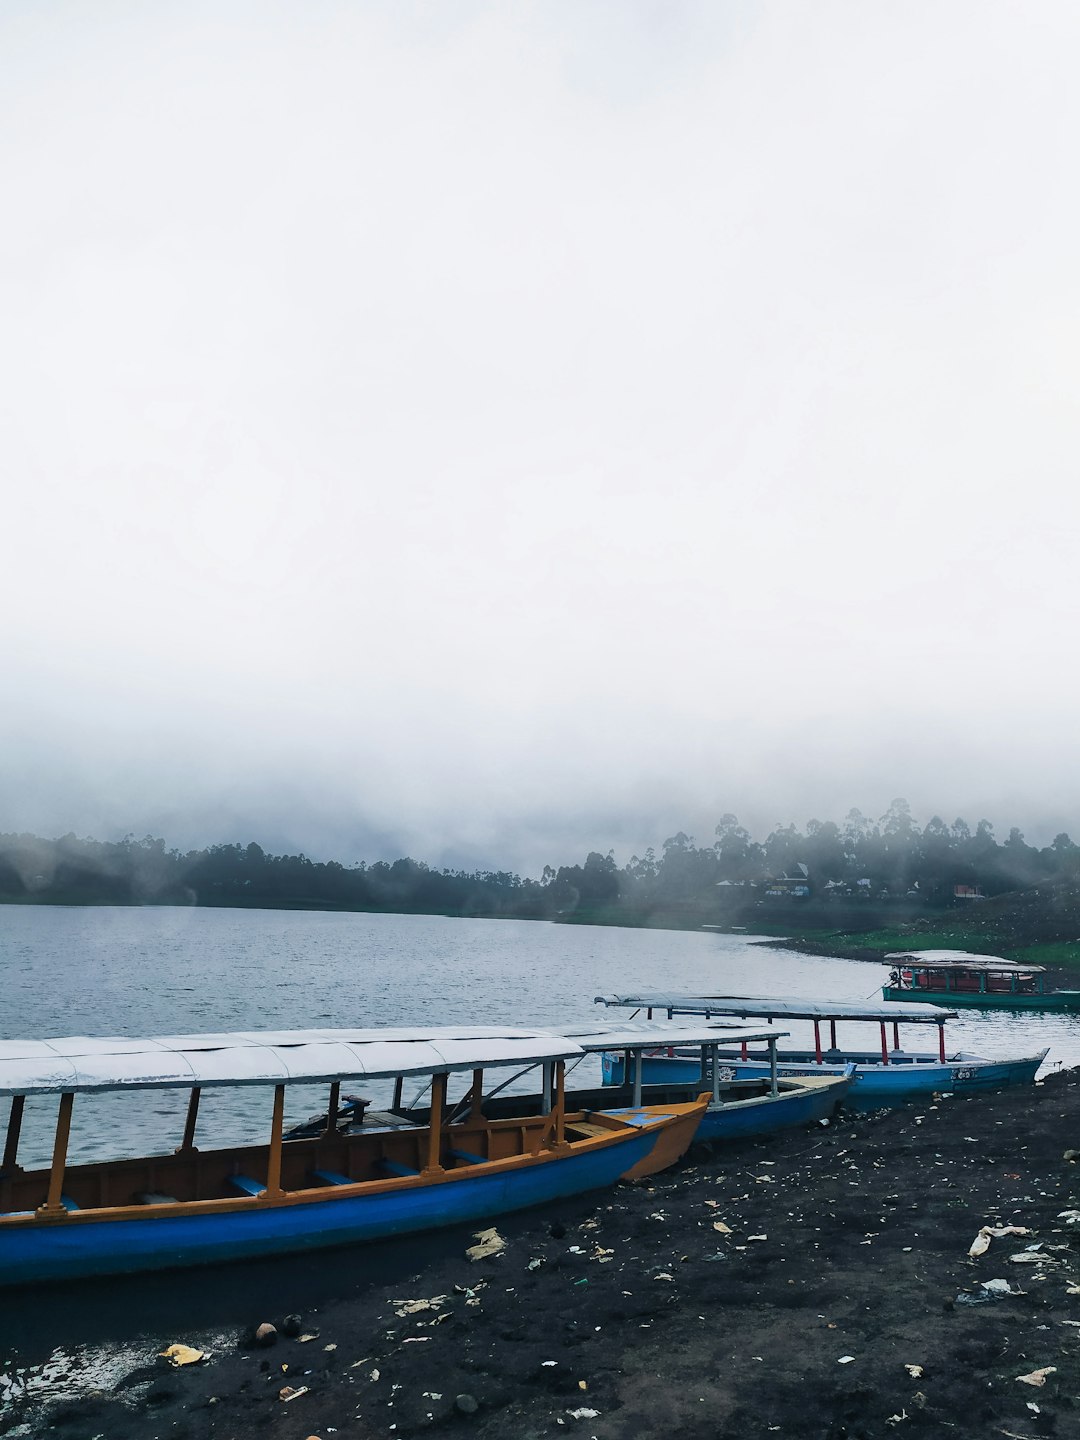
(138, 972)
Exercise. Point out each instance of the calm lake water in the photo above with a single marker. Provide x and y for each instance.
(123, 971)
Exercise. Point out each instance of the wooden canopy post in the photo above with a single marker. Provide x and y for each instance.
(435, 1123)
(476, 1112)
(399, 1085)
(52, 1204)
(817, 1042)
(639, 1063)
(884, 1044)
(896, 1035)
(545, 1098)
(714, 1060)
(559, 1136)
(332, 1109)
(188, 1142)
(273, 1165)
(832, 1034)
(941, 1041)
(773, 1089)
(14, 1130)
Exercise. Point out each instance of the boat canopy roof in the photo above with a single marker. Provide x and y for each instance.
(775, 1009)
(643, 1034)
(81, 1063)
(963, 960)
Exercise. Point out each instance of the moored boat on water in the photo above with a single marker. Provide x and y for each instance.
(956, 977)
(884, 1075)
(197, 1206)
(737, 1107)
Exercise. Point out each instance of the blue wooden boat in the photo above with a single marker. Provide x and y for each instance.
(200, 1206)
(985, 982)
(738, 1107)
(884, 1075)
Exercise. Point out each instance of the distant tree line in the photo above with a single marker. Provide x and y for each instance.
(74, 871)
(858, 863)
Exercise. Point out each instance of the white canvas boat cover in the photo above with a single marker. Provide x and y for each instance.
(644, 1034)
(80, 1063)
(964, 960)
(774, 1009)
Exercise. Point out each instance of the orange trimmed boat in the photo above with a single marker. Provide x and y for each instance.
(197, 1206)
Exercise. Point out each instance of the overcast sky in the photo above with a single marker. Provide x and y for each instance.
(495, 431)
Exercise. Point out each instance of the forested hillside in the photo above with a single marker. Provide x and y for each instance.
(856, 873)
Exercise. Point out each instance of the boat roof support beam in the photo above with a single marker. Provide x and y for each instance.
(433, 1165)
(14, 1130)
(559, 1112)
(190, 1121)
(273, 1164)
(53, 1204)
(333, 1105)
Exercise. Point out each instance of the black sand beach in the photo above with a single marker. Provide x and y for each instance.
(818, 1285)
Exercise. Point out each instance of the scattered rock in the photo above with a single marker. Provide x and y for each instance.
(466, 1404)
(266, 1334)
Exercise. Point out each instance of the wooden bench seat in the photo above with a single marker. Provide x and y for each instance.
(331, 1177)
(393, 1167)
(247, 1185)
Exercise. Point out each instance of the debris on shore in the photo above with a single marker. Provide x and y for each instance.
(843, 1298)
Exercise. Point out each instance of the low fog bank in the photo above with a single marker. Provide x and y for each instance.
(509, 797)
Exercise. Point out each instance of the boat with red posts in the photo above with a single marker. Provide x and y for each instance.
(988, 982)
(885, 1074)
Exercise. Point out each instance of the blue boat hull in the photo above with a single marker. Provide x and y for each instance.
(745, 1118)
(83, 1245)
(873, 1086)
